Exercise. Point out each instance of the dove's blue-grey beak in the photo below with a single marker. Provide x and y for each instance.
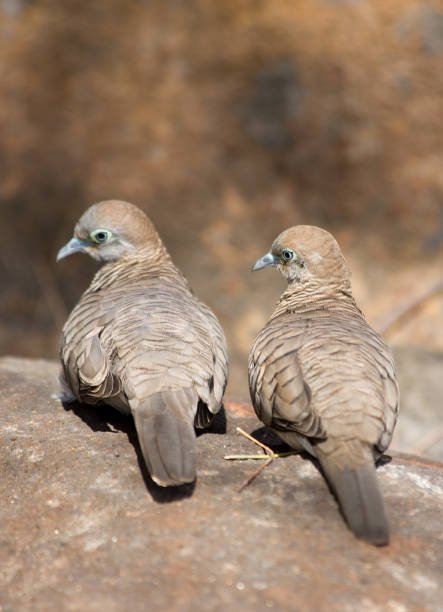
(267, 260)
(73, 246)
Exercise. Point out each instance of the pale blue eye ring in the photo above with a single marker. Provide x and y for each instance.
(100, 236)
(287, 254)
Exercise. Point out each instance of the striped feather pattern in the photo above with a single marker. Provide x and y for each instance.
(324, 380)
(139, 340)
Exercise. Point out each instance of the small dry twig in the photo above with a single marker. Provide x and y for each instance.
(269, 456)
(254, 474)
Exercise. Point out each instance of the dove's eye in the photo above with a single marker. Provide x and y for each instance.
(100, 235)
(287, 254)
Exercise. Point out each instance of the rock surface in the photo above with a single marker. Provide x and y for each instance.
(83, 527)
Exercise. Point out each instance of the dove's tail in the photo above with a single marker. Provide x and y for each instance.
(358, 493)
(167, 440)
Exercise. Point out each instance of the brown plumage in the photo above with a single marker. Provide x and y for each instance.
(323, 379)
(140, 341)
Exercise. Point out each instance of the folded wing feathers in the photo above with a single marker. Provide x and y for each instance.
(330, 377)
(150, 346)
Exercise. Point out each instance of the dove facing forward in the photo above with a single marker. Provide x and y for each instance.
(140, 341)
(323, 379)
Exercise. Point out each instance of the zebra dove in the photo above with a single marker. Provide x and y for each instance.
(140, 341)
(323, 379)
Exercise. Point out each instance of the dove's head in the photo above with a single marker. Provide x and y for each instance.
(110, 229)
(304, 253)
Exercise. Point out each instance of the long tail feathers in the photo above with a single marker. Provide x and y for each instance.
(360, 500)
(167, 442)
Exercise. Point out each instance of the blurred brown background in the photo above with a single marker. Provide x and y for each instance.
(228, 121)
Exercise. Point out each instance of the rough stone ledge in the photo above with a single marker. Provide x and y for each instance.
(84, 528)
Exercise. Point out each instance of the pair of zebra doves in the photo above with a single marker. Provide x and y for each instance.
(319, 376)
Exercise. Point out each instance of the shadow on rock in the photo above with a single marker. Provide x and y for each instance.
(107, 419)
(270, 439)
(218, 425)
(100, 417)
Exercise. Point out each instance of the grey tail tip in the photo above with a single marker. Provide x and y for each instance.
(361, 502)
(377, 537)
(172, 482)
(168, 444)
